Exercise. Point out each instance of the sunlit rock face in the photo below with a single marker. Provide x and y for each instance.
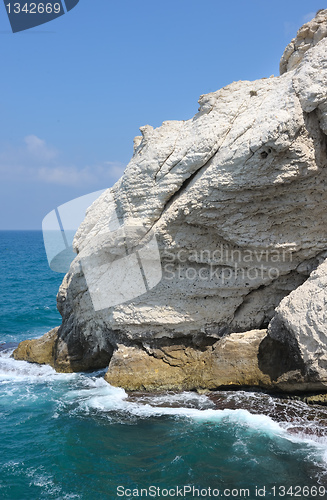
(300, 322)
(236, 200)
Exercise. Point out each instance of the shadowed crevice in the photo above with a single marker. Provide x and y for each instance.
(276, 358)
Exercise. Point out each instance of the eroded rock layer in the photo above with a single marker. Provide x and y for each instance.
(236, 198)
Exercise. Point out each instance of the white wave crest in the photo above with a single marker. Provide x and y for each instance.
(22, 371)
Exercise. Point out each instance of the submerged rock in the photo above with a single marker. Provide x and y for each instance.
(236, 200)
(317, 399)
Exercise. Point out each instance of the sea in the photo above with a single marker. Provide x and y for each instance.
(73, 436)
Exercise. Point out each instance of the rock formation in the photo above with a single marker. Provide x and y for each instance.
(232, 361)
(307, 37)
(300, 322)
(236, 198)
(40, 351)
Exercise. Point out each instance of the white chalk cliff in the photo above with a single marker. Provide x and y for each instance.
(237, 199)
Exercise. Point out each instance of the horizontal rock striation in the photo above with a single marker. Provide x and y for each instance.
(236, 198)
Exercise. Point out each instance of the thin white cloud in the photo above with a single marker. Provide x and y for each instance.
(69, 176)
(116, 168)
(308, 17)
(39, 149)
(37, 161)
(290, 28)
(72, 176)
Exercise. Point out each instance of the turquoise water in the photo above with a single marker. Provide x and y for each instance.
(74, 436)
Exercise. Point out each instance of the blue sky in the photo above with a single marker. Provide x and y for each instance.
(75, 91)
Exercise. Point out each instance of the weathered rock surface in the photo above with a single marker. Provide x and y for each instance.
(232, 361)
(318, 399)
(300, 322)
(307, 36)
(40, 351)
(237, 198)
(52, 350)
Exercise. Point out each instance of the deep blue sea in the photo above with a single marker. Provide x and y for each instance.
(73, 436)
